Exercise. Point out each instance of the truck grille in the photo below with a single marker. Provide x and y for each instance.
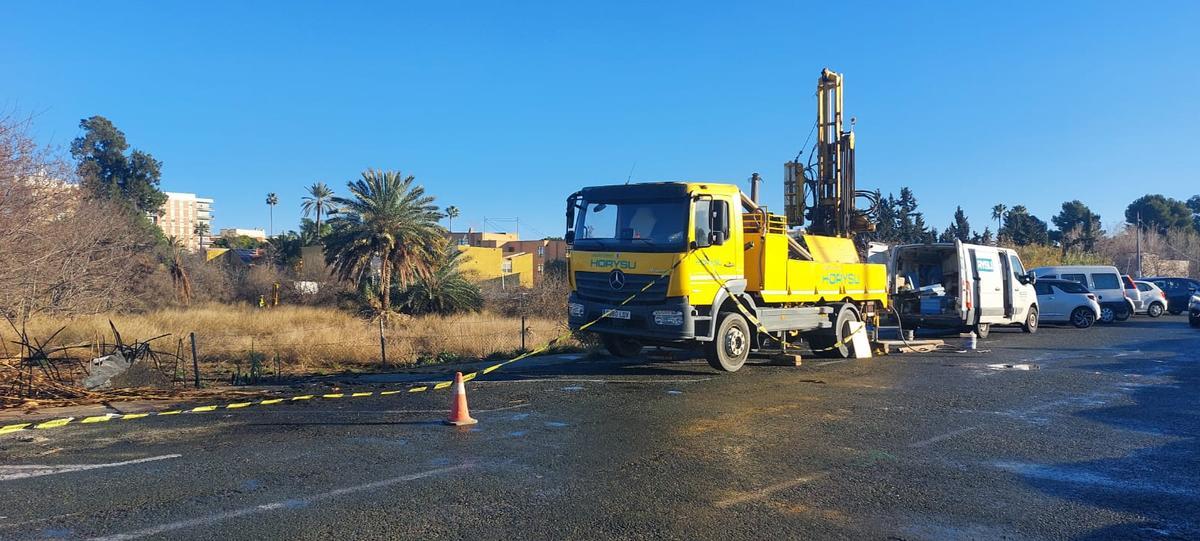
(594, 286)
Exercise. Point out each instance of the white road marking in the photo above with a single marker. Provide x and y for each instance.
(9, 473)
(291, 503)
(766, 491)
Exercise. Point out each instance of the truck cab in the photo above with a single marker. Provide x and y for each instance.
(668, 245)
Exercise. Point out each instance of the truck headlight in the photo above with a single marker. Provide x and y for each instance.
(574, 309)
(670, 318)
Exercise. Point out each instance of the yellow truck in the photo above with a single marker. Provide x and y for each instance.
(687, 264)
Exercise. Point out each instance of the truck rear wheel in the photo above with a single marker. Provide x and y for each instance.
(823, 343)
(621, 346)
(730, 345)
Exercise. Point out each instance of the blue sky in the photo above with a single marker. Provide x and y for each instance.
(503, 109)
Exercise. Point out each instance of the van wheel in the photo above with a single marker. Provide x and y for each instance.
(1155, 309)
(1083, 317)
(621, 346)
(731, 345)
(1031, 321)
(1122, 314)
(1107, 315)
(823, 343)
(982, 330)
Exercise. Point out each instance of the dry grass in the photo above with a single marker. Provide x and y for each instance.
(306, 339)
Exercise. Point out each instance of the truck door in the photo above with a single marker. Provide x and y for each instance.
(990, 285)
(717, 258)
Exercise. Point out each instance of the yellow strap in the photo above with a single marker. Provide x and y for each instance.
(55, 423)
(203, 408)
(238, 405)
(358, 395)
(129, 416)
(271, 401)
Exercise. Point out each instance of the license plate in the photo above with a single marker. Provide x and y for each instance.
(617, 314)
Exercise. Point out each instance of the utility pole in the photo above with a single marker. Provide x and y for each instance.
(1139, 246)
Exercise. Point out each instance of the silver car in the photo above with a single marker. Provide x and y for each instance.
(1066, 301)
(1150, 299)
(1194, 311)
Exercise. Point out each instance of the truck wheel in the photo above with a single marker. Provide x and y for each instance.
(731, 345)
(823, 343)
(1031, 321)
(621, 346)
(1083, 317)
(982, 330)
(1122, 314)
(1155, 309)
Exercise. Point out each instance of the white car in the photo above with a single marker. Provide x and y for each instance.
(1150, 300)
(1066, 301)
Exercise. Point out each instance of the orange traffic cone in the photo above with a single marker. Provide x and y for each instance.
(459, 414)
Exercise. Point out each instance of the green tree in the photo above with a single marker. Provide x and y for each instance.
(446, 290)
(1159, 212)
(201, 230)
(451, 214)
(309, 233)
(1193, 203)
(1023, 228)
(960, 229)
(1077, 226)
(998, 212)
(272, 200)
(105, 170)
(910, 224)
(317, 202)
(388, 220)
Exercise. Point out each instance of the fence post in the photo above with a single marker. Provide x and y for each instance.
(522, 333)
(195, 361)
(382, 344)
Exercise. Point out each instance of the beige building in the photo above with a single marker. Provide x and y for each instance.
(234, 232)
(181, 214)
(482, 239)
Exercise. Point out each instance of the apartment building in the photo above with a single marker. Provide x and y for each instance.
(181, 214)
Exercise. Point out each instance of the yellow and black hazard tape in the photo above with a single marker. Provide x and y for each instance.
(65, 421)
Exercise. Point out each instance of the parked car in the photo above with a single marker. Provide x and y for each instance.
(1151, 300)
(1194, 311)
(962, 286)
(1131, 291)
(1102, 280)
(1066, 301)
(1178, 290)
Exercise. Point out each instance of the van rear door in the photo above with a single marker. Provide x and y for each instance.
(968, 279)
(990, 269)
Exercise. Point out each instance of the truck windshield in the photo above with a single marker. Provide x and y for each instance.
(633, 226)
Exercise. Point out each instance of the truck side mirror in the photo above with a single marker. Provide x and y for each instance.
(569, 237)
(1031, 278)
(716, 238)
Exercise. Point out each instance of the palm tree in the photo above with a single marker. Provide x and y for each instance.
(451, 214)
(179, 275)
(201, 230)
(390, 221)
(272, 200)
(446, 290)
(998, 215)
(316, 202)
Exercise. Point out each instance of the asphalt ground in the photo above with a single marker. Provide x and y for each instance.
(1066, 434)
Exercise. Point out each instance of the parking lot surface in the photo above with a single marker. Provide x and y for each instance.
(1065, 434)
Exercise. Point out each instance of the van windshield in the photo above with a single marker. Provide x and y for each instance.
(632, 226)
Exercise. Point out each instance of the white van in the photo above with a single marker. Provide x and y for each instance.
(1103, 280)
(961, 286)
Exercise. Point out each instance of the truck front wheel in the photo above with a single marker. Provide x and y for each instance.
(731, 345)
(621, 346)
